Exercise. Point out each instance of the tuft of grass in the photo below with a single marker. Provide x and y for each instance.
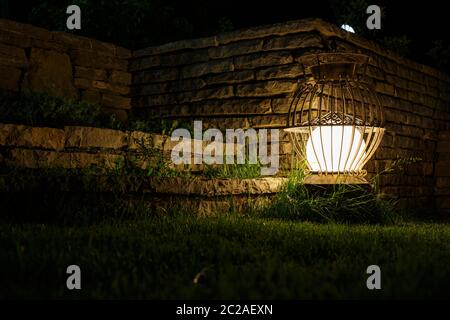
(233, 171)
(339, 203)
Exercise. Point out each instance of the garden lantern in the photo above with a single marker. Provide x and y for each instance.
(335, 121)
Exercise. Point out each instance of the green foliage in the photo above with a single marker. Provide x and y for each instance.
(155, 164)
(336, 203)
(40, 109)
(233, 171)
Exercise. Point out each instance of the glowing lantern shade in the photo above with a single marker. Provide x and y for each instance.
(335, 120)
(332, 158)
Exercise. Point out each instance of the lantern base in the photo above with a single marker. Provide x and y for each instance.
(334, 179)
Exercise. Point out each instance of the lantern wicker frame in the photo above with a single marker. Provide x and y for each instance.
(336, 99)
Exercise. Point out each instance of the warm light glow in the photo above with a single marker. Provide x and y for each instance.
(335, 148)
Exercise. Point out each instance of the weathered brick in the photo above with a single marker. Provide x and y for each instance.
(88, 137)
(12, 56)
(14, 39)
(145, 63)
(281, 105)
(154, 88)
(91, 96)
(155, 100)
(232, 107)
(89, 58)
(417, 87)
(444, 135)
(177, 46)
(267, 88)
(443, 203)
(31, 137)
(295, 41)
(231, 77)
(442, 192)
(186, 85)
(290, 27)
(120, 77)
(442, 169)
(100, 85)
(51, 72)
(189, 57)
(235, 49)
(49, 45)
(262, 59)
(197, 70)
(204, 94)
(267, 121)
(288, 71)
(11, 82)
(115, 101)
(443, 182)
(384, 88)
(155, 75)
(91, 73)
(443, 146)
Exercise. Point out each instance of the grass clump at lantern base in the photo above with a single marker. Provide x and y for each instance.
(338, 203)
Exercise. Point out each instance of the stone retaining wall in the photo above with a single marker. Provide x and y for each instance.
(442, 171)
(72, 147)
(201, 196)
(240, 79)
(83, 147)
(64, 64)
(246, 78)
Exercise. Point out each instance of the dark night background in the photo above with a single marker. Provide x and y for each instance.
(417, 30)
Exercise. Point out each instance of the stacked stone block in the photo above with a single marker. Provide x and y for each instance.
(66, 65)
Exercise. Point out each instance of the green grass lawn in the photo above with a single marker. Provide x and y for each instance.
(237, 257)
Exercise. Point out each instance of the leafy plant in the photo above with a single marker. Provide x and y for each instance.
(40, 109)
(233, 171)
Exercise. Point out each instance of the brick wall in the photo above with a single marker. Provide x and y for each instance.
(442, 170)
(65, 65)
(245, 79)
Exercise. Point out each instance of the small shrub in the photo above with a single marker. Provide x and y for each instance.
(233, 171)
(40, 109)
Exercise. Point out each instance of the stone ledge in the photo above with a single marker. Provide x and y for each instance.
(16, 135)
(319, 26)
(153, 185)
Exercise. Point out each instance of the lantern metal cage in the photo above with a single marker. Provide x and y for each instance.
(335, 120)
